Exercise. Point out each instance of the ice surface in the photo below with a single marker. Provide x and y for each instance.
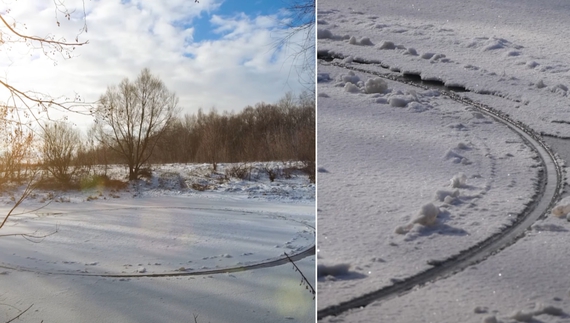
(160, 227)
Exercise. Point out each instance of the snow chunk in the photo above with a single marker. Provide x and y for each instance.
(141, 270)
(375, 85)
(459, 180)
(351, 88)
(561, 210)
(428, 215)
(324, 34)
(427, 55)
(540, 84)
(388, 45)
(399, 101)
(364, 41)
(441, 195)
(411, 51)
(350, 77)
(521, 316)
(548, 309)
(532, 64)
(455, 157)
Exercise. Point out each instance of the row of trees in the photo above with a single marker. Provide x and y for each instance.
(137, 123)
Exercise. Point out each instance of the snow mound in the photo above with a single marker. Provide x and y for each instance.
(388, 45)
(411, 51)
(453, 156)
(561, 211)
(324, 34)
(548, 309)
(441, 195)
(427, 216)
(522, 316)
(459, 180)
(375, 85)
(364, 41)
(351, 88)
(399, 101)
(350, 77)
(489, 319)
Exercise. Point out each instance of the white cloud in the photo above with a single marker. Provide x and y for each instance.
(241, 68)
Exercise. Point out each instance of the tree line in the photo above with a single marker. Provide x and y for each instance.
(137, 123)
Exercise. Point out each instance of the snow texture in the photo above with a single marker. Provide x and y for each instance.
(388, 154)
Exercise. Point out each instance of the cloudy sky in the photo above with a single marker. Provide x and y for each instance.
(214, 53)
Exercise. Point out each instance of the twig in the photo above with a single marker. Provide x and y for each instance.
(26, 193)
(311, 290)
(20, 314)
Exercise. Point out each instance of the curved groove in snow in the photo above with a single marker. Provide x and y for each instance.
(550, 187)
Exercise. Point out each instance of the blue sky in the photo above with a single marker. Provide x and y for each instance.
(204, 30)
(211, 54)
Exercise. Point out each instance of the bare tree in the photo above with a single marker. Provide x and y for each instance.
(134, 115)
(300, 38)
(23, 106)
(30, 103)
(61, 143)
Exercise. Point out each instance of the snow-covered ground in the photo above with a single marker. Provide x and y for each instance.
(86, 256)
(391, 156)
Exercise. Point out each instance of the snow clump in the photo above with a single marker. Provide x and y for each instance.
(351, 88)
(458, 180)
(426, 217)
(324, 34)
(375, 85)
(388, 45)
(442, 195)
(364, 41)
(398, 101)
(350, 77)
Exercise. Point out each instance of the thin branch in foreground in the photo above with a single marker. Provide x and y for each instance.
(30, 236)
(27, 191)
(304, 280)
(22, 313)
